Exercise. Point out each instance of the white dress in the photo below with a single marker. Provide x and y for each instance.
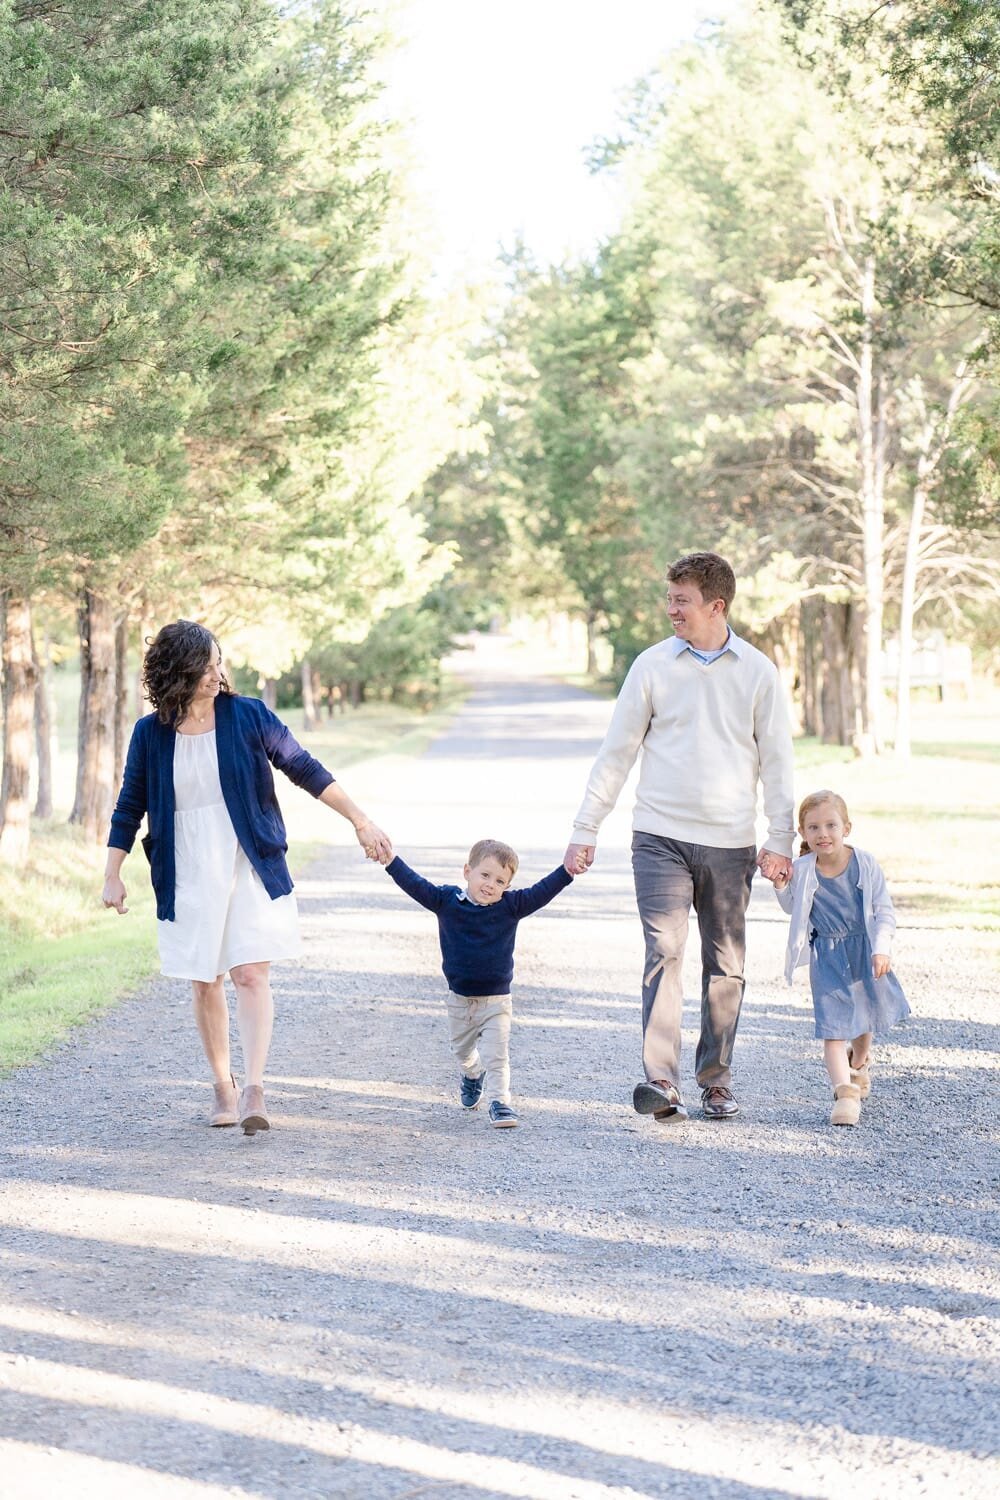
(223, 914)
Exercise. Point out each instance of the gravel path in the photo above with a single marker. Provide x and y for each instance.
(385, 1298)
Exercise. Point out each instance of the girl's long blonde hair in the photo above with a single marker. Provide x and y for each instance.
(816, 799)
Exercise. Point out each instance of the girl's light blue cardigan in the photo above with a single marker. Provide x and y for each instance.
(797, 898)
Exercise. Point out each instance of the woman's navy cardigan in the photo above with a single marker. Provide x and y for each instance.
(249, 739)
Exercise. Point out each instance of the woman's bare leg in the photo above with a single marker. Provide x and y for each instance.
(211, 1014)
(861, 1046)
(254, 1017)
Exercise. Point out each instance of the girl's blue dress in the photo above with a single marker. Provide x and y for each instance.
(847, 998)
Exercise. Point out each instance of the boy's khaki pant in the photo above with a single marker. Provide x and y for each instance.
(479, 1026)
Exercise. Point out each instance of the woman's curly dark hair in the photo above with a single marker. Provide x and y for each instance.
(175, 663)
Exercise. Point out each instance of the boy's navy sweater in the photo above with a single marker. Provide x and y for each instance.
(477, 942)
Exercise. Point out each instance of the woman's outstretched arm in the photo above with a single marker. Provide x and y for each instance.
(376, 844)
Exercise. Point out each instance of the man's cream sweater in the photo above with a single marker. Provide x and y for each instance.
(708, 734)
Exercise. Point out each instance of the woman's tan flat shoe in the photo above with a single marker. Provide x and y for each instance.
(226, 1096)
(253, 1116)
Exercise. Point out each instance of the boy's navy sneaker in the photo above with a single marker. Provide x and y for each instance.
(502, 1117)
(472, 1090)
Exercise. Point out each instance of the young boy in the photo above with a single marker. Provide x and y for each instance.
(477, 928)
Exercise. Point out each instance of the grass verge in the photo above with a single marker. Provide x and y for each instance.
(929, 821)
(64, 959)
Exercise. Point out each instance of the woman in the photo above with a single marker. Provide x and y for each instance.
(200, 766)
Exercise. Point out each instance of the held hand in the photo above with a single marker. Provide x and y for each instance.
(881, 964)
(376, 844)
(578, 858)
(114, 895)
(775, 867)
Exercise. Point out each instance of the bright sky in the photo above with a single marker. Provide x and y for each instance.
(502, 101)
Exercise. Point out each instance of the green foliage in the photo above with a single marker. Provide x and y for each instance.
(223, 387)
(340, 386)
(970, 479)
(225, 390)
(300, 297)
(947, 54)
(480, 500)
(578, 328)
(793, 241)
(131, 137)
(761, 359)
(400, 657)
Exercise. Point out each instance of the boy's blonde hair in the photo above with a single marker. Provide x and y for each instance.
(494, 849)
(816, 799)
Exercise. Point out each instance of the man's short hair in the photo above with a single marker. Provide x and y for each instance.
(712, 574)
(494, 849)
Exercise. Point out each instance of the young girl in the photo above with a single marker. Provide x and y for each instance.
(842, 926)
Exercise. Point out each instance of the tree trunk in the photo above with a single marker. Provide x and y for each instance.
(933, 445)
(19, 677)
(121, 696)
(81, 716)
(835, 691)
(268, 689)
(44, 718)
(784, 657)
(146, 634)
(95, 771)
(809, 665)
(591, 644)
(901, 747)
(310, 713)
(855, 631)
(832, 689)
(871, 433)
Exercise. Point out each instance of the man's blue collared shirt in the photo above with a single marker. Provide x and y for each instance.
(733, 644)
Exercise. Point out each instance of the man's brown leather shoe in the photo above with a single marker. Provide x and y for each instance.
(253, 1116)
(659, 1098)
(718, 1102)
(226, 1096)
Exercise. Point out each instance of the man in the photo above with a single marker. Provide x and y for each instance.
(709, 714)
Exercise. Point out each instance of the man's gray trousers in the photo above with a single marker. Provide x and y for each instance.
(670, 877)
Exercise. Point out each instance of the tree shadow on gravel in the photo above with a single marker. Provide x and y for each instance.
(383, 1270)
(792, 1287)
(335, 1331)
(195, 1450)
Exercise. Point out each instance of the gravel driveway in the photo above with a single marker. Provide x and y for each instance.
(385, 1298)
